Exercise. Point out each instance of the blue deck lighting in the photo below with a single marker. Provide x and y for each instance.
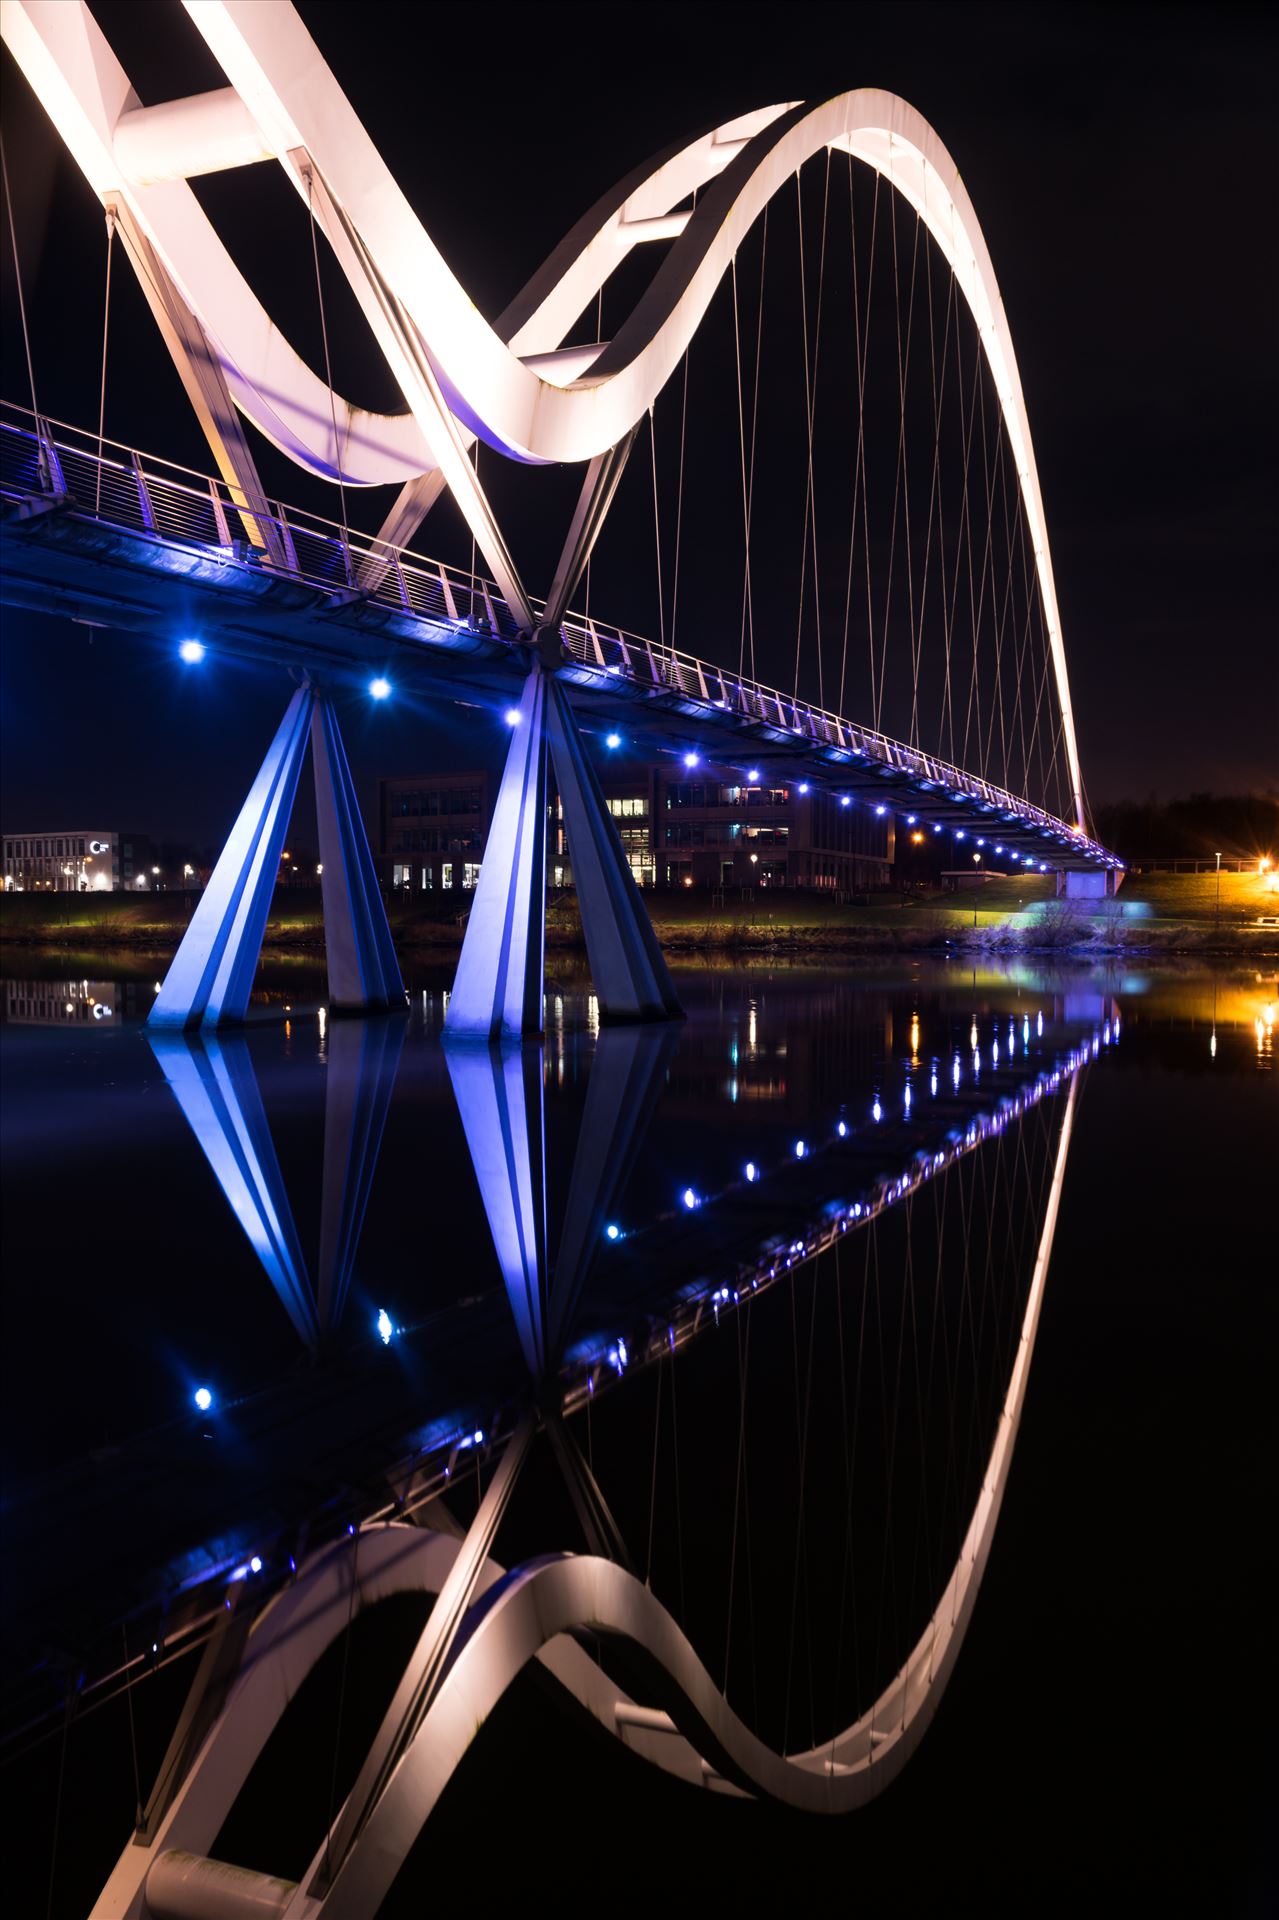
(192, 651)
(203, 1399)
(379, 688)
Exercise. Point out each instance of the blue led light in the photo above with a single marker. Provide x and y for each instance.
(844, 800)
(255, 1564)
(752, 774)
(380, 688)
(937, 828)
(801, 1148)
(613, 1231)
(803, 786)
(689, 1198)
(842, 1129)
(613, 740)
(385, 1326)
(881, 811)
(960, 834)
(877, 1112)
(910, 819)
(752, 1171)
(203, 1398)
(192, 651)
(691, 759)
(512, 716)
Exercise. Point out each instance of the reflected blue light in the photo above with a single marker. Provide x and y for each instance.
(908, 1096)
(512, 716)
(255, 1564)
(877, 1112)
(379, 688)
(613, 1231)
(752, 1171)
(192, 651)
(385, 1326)
(613, 740)
(801, 1148)
(691, 759)
(203, 1399)
(689, 1198)
(842, 1129)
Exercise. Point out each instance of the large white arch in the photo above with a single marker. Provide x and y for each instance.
(284, 102)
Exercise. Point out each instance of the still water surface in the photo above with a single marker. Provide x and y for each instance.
(774, 1266)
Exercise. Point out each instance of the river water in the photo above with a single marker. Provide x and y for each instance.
(774, 1266)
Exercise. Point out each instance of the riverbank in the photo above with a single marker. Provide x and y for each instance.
(1159, 913)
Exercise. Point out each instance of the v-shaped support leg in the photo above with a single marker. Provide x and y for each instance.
(498, 989)
(211, 975)
(497, 992)
(215, 1086)
(630, 975)
(364, 973)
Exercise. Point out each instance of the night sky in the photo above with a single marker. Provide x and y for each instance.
(1120, 160)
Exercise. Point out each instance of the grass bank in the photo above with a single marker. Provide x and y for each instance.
(1157, 913)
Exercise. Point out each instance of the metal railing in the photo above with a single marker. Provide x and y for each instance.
(43, 458)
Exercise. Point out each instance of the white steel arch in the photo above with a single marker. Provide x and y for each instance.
(459, 374)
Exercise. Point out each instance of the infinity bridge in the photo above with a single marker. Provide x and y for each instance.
(156, 543)
(941, 571)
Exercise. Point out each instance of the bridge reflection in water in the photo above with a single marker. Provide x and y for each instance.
(778, 1394)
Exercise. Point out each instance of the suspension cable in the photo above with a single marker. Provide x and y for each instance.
(17, 277)
(657, 531)
(328, 368)
(102, 383)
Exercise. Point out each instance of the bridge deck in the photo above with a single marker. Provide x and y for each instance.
(107, 538)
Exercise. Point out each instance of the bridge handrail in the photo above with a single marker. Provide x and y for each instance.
(160, 496)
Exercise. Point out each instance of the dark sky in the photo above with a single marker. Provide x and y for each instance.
(1120, 160)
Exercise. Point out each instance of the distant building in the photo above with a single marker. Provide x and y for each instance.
(61, 1003)
(75, 862)
(432, 829)
(676, 832)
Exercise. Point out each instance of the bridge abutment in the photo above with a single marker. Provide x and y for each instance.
(1089, 883)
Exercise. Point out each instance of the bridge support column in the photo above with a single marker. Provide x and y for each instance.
(630, 975)
(499, 986)
(211, 976)
(363, 970)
